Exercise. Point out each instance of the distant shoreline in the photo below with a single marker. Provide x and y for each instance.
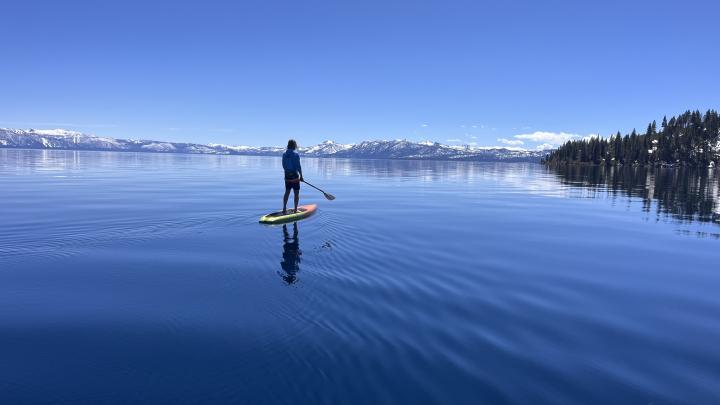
(414, 159)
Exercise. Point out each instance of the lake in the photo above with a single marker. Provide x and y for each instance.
(146, 278)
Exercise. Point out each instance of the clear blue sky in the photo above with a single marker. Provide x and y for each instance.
(257, 73)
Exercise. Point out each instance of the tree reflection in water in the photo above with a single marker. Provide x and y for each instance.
(686, 194)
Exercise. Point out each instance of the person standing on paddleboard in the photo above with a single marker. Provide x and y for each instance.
(293, 173)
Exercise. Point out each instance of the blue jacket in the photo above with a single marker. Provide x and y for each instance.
(291, 161)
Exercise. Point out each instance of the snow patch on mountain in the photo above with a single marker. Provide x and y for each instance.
(55, 132)
(160, 147)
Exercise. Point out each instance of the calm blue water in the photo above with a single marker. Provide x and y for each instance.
(130, 278)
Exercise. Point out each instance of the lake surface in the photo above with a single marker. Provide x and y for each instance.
(131, 278)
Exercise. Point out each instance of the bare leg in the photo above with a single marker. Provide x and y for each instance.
(285, 198)
(297, 198)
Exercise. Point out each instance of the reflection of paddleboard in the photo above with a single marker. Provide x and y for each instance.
(304, 211)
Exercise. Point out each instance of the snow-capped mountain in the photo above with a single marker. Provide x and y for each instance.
(378, 149)
(53, 139)
(325, 148)
(404, 149)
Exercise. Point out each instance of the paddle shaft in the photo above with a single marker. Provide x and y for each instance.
(313, 187)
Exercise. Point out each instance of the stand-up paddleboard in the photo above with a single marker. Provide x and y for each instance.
(304, 211)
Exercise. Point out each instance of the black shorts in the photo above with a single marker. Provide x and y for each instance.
(292, 181)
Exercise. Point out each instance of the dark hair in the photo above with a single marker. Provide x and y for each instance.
(292, 144)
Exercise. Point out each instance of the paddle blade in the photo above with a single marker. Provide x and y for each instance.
(329, 196)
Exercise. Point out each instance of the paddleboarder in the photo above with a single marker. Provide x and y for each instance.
(293, 174)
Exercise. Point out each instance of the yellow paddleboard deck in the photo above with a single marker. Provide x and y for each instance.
(304, 211)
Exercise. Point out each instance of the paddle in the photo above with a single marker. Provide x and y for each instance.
(327, 195)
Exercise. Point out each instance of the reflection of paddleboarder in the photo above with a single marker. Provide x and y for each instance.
(291, 255)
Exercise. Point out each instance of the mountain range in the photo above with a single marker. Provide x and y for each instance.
(377, 149)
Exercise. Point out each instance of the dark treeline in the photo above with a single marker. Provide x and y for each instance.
(690, 139)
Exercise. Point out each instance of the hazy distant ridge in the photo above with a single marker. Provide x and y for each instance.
(378, 149)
